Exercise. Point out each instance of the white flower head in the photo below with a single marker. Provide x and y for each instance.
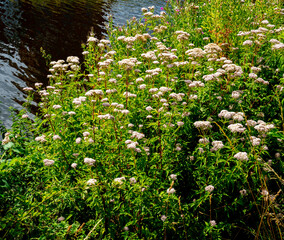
(171, 190)
(119, 180)
(74, 165)
(173, 176)
(91, 182)
(241, 156)
(213, 223)
(48, 162)
(243, 192)
(163, 218)
(61, 219)
(89, 161)
(209, 188)
(86, 134)
(56, 106)
(132, 180)
(56, 137)
(203, 125)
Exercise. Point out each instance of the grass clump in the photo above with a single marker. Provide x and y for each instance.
(170, 129)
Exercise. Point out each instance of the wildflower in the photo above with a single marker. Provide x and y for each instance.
(61, 219)
(48, 162)
(213, 223)
(89, 161)
(94, 92)
(247, 42)
(264, 147)
(196, 84)
(171, 191)
(137, 135)
(78, 140)
(252, 75)
(105, 104)
(209, 77)
(237, 127)
(203, 125)
(201, 150)
(274, 41)
(6, 139)
(132, 180)
(239, 116)
(92, 39)
(243, 192)
(251, 123)
(128, 63)
(91, 181)
(28, 89)
(241, 156)
(56, 106)
(163, 218)
(37, 85)
(180, 124)
(264, 192)
(119, 180)
(255, 69)
(74, 165)
(56, 137)
(25, 116)
(209, 188)
(236, 94)
(125, 111)
(142, 86)
(173, 176)
(212, 48)
(149, 108)
(255, 141)
(217, 145)
(203, 140)
(195, 52)
(132, 145)
(278, 46)
(86, 134)
(73, 59)
(40, 139)
(106, 116)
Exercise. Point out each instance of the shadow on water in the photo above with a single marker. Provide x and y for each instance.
(59, 27)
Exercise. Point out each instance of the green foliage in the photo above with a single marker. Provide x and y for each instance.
(157, 134)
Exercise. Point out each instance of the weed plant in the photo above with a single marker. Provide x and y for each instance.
(172, 128)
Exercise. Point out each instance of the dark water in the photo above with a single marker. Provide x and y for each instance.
(59, 27)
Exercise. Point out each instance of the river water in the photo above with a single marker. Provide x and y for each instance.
(59, 27)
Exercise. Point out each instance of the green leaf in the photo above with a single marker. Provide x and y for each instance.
(8, 145)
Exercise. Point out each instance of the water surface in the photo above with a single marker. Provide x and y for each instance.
(59, 27)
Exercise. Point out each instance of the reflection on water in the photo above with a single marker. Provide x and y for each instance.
(60, 27)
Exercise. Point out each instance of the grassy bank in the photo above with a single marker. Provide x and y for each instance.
(170, 129)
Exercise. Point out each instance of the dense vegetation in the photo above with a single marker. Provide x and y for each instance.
(170, 129)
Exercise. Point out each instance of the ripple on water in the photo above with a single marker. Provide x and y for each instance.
(60, 27)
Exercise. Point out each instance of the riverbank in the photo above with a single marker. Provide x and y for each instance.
(172, 130)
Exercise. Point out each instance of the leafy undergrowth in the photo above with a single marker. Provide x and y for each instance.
(170, 129)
